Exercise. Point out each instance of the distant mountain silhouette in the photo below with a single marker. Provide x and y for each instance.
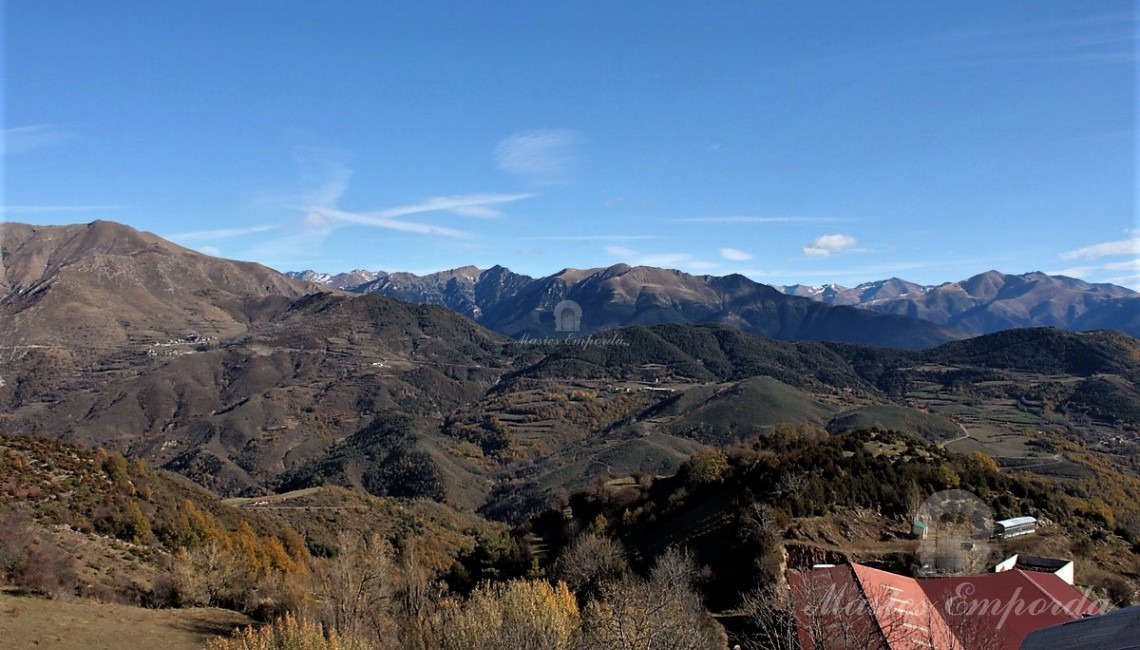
(620, 296)
(338, 281)
(993, 301)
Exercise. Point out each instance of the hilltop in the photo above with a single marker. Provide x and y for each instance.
(87, 287)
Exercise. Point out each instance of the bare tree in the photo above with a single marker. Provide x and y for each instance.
(210, 574)
(792, 485)
(835, 614)
(590, 562)
(354, 589)
(661, 613)
(771, 621)
(417, 595)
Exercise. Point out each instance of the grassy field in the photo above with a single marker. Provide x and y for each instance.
(28, 622)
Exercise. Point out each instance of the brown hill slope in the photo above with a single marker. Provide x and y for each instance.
(236, 412)
(80, 289)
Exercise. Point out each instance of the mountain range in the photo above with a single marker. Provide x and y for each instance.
(993, 301)
(621, 295)
(520, 306)
(245, 380)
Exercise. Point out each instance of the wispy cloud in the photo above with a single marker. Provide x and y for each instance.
(543, 157)
(40, 209)
(326, 174)
(829, 245)
(1106, 38)
(1098, 272)
(468, 205)
(384, 222)
(749, 219)
(1128, 265)
(592, 237)
(1130, 281)
(219, 234)
(1130, 246)
(23, 139)
(735, 254)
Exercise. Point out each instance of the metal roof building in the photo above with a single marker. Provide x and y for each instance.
(1015, 526)
(1119, 630)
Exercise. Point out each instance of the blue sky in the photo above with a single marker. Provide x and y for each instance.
(791, 142)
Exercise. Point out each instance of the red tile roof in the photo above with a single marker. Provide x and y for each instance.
(1012, 603)
(994, 611)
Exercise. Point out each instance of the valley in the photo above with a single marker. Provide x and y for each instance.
(306, 419)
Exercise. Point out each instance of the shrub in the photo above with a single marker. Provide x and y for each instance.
(32, 561)
(286, 633)
(516, 615)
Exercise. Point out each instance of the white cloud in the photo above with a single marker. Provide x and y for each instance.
(329, 192)
(220, 233)
(1087, 272)
(325, 174)
(734, 254)
(592, 238)
(316, 220)
(1130, 281)
(472, 205)
(544, 157)
(384, 222)
(468, 205)
(1129, 265)
(213, 251)
(23, 139)
(747, 219)
(1129, 246)
(829, 244)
